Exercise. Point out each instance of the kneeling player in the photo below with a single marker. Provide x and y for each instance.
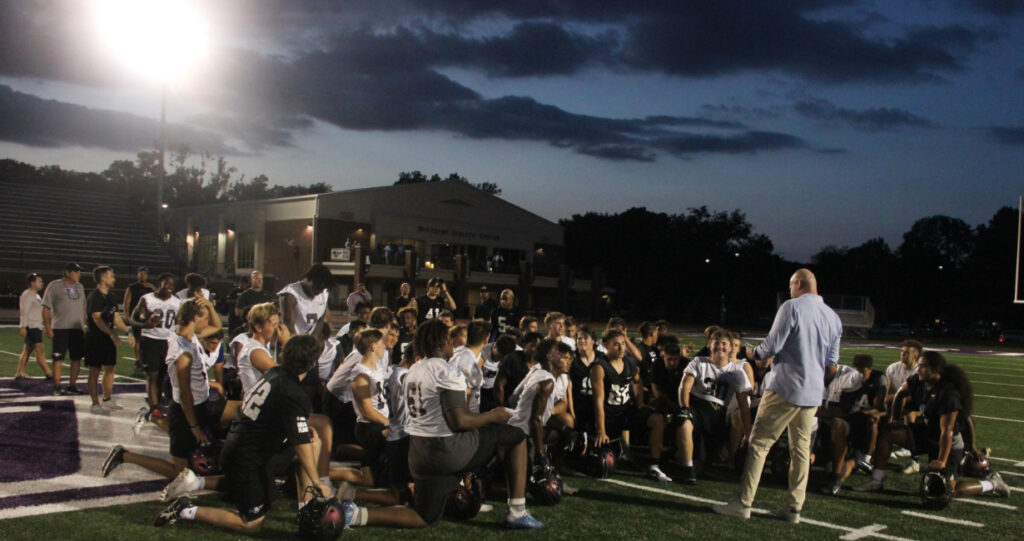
(447, 440)
(708, 384)
(545, 388)
(947, 405)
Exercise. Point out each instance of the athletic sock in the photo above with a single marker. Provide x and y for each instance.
(199, 484)
(361, 517)
(188, 513)
(878, 474)
(987, 486)
(326, 480)
(516, 507)
(689, 464)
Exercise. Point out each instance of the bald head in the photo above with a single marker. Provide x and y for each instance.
(802, 281)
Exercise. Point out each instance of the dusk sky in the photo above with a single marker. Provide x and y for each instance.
(827, 122)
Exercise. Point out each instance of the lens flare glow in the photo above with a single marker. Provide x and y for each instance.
(161, 40)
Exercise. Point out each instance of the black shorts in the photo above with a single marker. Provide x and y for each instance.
(33, 336)
(69, 343)
(249, 489)
(370, 436)
(100, 351)
(918, 444)
(137, 333)
(431, 493)
(153, 355)
(632, 420)
(398, 462)
(860, 430)
(183, 443)
(343, 419)
(708, 419)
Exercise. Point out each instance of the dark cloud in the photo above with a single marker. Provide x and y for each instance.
(873, 119)
(33, 121)
(747, 142)
(997, 8)
(743, 112)
(1008, 135)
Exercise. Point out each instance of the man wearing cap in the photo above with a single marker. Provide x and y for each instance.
(132, 295)
(487, 306)
(64, 322)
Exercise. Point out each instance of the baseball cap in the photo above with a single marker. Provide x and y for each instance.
(142, 269)
(484, 288)
(71, 267)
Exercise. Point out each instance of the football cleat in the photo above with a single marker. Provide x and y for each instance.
(114, 459)
(172, 512)
(182, 485)
(689, 476)
(655, 474)
(1001, 488)
(524, 522)
(835, 484)
(913, 467)
(73, 390)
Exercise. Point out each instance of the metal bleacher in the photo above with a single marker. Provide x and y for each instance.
(42, 228)
(855, 311)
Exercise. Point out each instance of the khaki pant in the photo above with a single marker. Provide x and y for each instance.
(775, 415)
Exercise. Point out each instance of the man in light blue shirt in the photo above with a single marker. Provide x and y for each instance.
(804, 342)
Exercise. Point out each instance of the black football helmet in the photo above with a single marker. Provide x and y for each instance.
(465, 502)
(545, 485)
(936, 490)
(975, 466)
(205, 460)
(601, 462)
(321, 519)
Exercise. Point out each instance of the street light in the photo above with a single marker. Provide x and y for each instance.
(160, 40)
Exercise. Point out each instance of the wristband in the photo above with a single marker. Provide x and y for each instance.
(194, 427)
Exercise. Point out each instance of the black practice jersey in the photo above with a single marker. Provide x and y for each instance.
(106, 305)
(582, 390)
(430, 308)
(649, 357)
(668, 381)
(502, 319)
(137, 289)
(618, 386)
(275, 411)
(941, 399)
(514, 367)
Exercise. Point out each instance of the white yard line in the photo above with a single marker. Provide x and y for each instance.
(987, 503)
(997, 383)
(858, 533)
(998, 419)
(1011, 473)
(944, 519)
(1000, 374)
(77, 505)
(999, 397)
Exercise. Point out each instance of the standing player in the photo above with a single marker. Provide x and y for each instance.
(249, 298)
(132, 295)
(507, 315)
(448, 440)
(429, 306)
(64, 321)
(487, 305)
(101, 341)
(196, 287)
(156, 314)
(31, 326)
(304, 303)
(709, 383)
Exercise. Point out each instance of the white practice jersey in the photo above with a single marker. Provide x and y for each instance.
(847, 379)
(307, 311)
(897, 374)
(571, 342)
(399, 419)
(183, 294)
(713, 384)
(464, 360)
(198, 379)
(377, 397)
(424, 384)
(525, 393)
(325, 364)
(168, 312)
(340, 384)
(490, 367)
(247, 373)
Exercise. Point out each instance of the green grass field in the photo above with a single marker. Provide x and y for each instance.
(630, 507)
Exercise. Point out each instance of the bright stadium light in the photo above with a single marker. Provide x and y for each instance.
(159, 39)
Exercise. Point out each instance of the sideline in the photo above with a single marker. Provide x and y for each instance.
(944, 519)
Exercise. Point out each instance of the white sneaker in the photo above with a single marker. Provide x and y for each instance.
(732, 509)
(96, 408)
(486, 508)
(182, 485)
(902, 453)
(111, 404)
(913, 467)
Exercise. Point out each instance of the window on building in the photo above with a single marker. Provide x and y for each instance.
(246, 250)
(207, 253)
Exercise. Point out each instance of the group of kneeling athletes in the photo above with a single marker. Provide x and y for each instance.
(442, 417)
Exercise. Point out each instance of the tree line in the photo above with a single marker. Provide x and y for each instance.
(945, 278)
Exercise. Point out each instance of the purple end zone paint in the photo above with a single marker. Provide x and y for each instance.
(89, 493)
(39, 445)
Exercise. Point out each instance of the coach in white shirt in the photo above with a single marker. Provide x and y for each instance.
(804, 341)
